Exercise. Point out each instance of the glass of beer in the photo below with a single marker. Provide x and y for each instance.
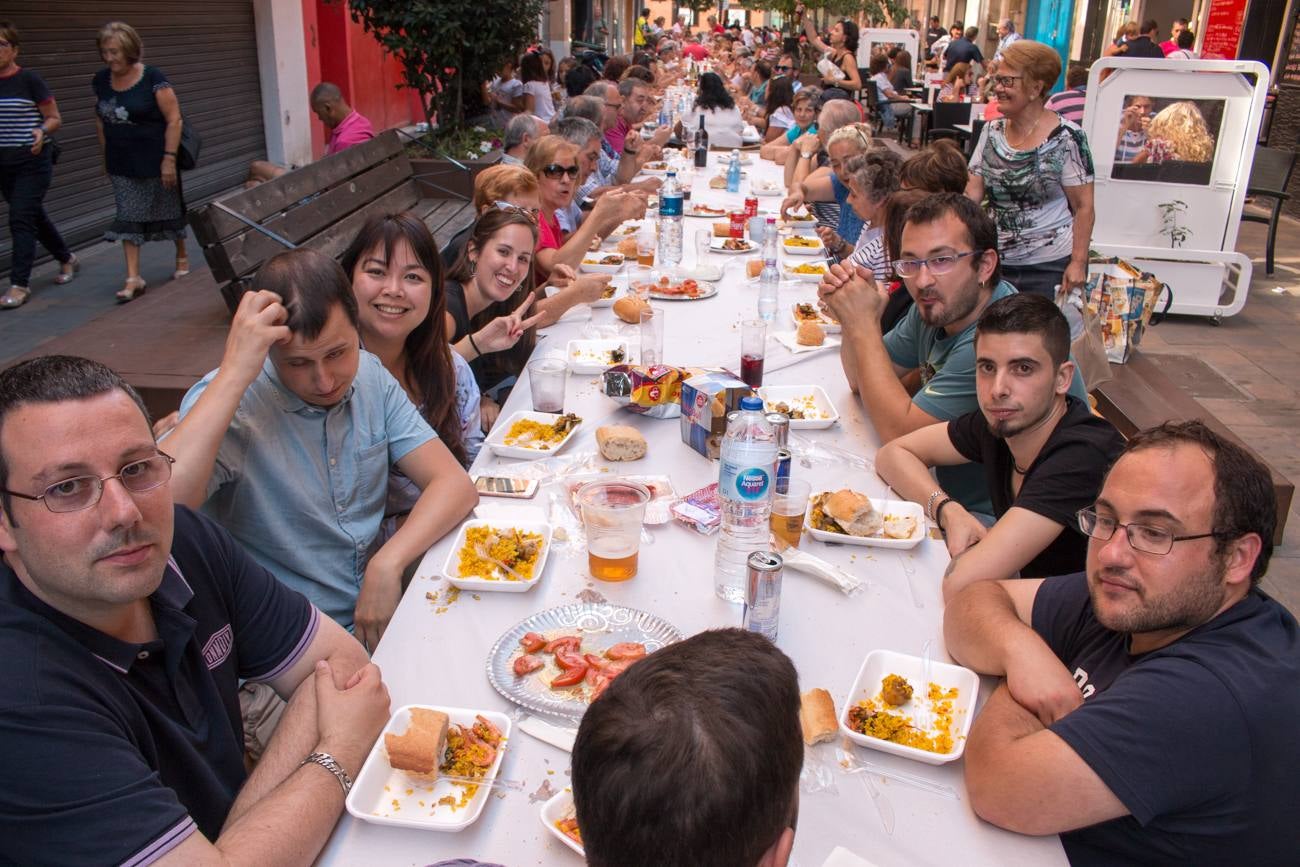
(612, 513)
(789, 503)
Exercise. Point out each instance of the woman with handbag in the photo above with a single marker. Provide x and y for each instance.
(26, 167)
(139, 120)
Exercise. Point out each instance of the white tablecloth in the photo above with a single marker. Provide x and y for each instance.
(439, 657)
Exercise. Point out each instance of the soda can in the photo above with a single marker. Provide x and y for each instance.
(738, 224)
(751, 206)
(783, 460)
(763, 593)
(780, 423)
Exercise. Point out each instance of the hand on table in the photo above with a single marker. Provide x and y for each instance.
(791, 202)
(831, 238)
(589, 288)
(349, 720)
(852, 294)
(961, 528)
(258, 324)
(488, 413)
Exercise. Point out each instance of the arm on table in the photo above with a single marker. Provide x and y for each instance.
(905, 465)
(195, 441)
(447, 496)
(1018, 537)
(817, 186)
(573, 289)
(1023, 777)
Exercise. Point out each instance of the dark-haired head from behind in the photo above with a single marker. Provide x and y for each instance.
(1023, 313)
(53, 379)
(309, 284)
(713, 93)
(1244, 501)
(940, 167)
(692, 756)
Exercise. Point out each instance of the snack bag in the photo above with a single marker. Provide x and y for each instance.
(706, 399)
(654, 391)
(1123, 299)
(701, 511)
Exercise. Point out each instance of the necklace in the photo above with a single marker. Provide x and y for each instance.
(1028, 135)
(1019, 470)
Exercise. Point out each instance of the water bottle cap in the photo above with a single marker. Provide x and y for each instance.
(751, 403)
(672, 174)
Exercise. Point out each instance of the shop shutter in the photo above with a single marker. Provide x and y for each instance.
(207, 49)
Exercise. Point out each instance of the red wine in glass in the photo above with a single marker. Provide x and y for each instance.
(751, 370)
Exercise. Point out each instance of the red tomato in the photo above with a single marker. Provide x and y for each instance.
(570, 677)
(563, 641)
(599, 688)
(532, 642)
(567, 660)
(526, 664)
(626, 650)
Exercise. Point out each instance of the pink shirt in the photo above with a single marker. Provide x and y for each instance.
(549, 237)
(617, 134)
(352, 130)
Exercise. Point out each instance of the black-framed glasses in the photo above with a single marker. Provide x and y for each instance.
(784, 68)
(1007, 80)
(555, 170)
(937, 264)
(530, 213)
(1141, 537)
(82, 492)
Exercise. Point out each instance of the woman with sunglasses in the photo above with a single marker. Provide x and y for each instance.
(554, 161)
(1035, 169)
(840, 49)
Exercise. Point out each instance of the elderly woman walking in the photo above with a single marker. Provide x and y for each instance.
(28, 118)
(139, 120)
(1036, 170)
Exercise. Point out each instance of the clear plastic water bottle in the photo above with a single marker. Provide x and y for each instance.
(663, 113)
(670, 222)
(733, 173)
(769, 278)
(745, 483)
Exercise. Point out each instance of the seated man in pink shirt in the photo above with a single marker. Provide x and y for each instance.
(346, 127)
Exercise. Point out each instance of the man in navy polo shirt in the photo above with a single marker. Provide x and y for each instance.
(126, 623)
(1150, 704)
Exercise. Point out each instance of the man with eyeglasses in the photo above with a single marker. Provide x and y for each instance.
(1042, 450)
(923, 370)
(1150, 703)
(126, 623)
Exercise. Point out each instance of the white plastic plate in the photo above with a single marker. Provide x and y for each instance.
(496, 439)
(829, 325)
(805, 245)
(791, 274)
(880, 663)
(561, 807)
(593, 356)
(502, 585)
(715, 246)
(787, 339)
(812, 399)
(885, 507)
(592, 264)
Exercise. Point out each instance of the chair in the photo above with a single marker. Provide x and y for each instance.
(1270, 175)
(871, 98)
(944, 121)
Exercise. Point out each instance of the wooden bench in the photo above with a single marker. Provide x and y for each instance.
(1142, 396)
(320, 206)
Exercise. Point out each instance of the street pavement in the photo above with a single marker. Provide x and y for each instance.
(1246, 371)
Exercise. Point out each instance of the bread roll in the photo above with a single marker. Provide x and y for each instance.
(629, 307)
(809, 334)
(817, 716)
(900, 526)
(620, 442)
(854, 512)
(754, 267)
(722, 230)
(718, 182)
(419, 749)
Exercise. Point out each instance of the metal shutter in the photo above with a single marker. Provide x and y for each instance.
(208, 50)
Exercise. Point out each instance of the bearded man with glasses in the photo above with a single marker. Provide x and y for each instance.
(1148, 714)
(126, 625)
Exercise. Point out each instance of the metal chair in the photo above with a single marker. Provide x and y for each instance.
(1270, 175)
(944, 120)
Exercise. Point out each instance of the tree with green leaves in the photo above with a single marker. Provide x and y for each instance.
(447, 48)
(880, 11)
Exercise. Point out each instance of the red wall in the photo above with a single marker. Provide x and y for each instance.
(340, 50)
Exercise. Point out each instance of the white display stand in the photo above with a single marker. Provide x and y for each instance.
(1206, 274)
(868, 37)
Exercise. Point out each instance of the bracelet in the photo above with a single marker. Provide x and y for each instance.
(169, 153)
(929, 504)
(938, 514)
(807, 156)
(478, 352)
(331, 764)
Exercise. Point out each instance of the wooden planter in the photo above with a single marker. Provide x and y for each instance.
(439, 178)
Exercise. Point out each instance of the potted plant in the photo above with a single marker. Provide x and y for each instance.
(447, 49)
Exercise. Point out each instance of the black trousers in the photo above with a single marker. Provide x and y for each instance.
(24, 180)
(1039, 279)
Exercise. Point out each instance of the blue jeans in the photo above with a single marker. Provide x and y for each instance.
(24, 179)
(1038, 279)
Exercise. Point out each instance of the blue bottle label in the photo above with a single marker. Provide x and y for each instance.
(750, 484)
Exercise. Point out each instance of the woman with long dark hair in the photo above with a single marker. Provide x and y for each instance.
(397, 277)
(839, 65)
(722, 119)
(538, 99)
(778, 109)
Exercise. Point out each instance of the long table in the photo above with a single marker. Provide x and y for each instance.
(435, 651)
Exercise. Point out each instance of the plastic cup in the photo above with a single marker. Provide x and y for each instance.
(753, 349)
(652, 336)
(612, 514)
(703, 238)
(546, 378)
(789, 503)
(639, 280)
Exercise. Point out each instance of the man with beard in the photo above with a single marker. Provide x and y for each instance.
(1148, 714)
(923, 370)
(1043, 451)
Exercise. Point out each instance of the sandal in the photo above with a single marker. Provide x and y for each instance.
(65, 276)
(133, 289)
(16, 297)
(182, 267)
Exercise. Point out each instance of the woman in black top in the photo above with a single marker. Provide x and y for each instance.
(139, 122)
(28, 115)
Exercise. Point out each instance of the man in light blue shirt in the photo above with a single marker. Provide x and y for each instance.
(923, 370)
(289, 443)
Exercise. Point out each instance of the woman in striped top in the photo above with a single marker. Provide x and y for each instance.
(28, 115)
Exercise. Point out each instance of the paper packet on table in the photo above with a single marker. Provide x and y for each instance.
(701, 510)
(707, 397)
(654, 391)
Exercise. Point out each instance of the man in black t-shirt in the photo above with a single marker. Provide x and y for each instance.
(126, 625)
(1150, 705)
(963, 50)
(1145, 45)
(1044, 453)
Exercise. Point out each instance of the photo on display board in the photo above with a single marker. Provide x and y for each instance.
(1167, 140)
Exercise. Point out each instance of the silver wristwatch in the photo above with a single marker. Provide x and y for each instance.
(331, 764)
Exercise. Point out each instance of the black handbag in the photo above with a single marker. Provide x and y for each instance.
(187, 154)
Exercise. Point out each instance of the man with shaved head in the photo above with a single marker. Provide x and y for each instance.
(346, 126)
